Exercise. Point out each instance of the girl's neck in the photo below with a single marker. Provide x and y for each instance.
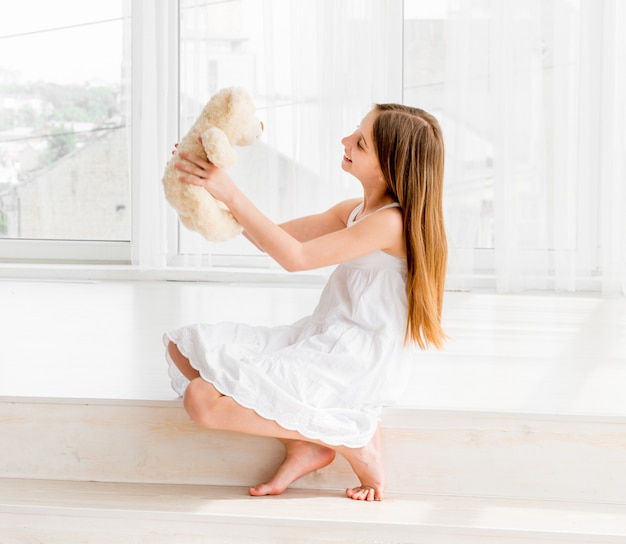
(372, 205)
(373, 202)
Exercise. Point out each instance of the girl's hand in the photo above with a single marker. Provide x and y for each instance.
(198, 171)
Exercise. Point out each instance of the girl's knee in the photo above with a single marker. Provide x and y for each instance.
(198, 400)
(192, 398)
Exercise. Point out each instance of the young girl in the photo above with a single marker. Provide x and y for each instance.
(319, 384)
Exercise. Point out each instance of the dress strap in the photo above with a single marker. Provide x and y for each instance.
(392, 205)
(355, 212)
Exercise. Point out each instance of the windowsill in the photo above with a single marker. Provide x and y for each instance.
(98, 272)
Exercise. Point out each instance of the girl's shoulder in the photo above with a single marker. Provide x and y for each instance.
(386, 224)
(344, 208)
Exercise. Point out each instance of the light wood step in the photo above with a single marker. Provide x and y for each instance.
(433, 452)
(61, 512)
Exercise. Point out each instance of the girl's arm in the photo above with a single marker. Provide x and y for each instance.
(300, 244)
(312, 226)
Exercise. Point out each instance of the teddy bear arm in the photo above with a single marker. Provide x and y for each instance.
(218, 149)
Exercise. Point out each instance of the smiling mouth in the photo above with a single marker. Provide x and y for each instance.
(346, 159)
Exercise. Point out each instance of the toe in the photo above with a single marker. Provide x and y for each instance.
(260, 490)
(364, 493)
(360, 493)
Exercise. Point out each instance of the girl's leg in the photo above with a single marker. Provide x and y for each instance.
(208, 407)
(367, 463)
(301, 458)
(182, 362)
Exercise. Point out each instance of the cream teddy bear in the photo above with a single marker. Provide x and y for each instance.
(228, 119)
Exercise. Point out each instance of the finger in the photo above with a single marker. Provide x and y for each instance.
(191, 180)
(198, 161)
(191, 169)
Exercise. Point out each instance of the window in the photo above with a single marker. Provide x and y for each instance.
(64, 131)
(309, 66)
(529, 95)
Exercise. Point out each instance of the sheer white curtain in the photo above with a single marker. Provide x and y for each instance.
(529, 93)
(537, 154)
(589, 143)
(314, 69)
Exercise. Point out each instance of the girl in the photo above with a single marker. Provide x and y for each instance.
(318, 385)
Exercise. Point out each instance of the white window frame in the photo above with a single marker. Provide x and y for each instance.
(17, 253)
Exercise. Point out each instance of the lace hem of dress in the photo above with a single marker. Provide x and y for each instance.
(288, 421)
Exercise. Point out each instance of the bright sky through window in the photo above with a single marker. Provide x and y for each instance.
(66, 41)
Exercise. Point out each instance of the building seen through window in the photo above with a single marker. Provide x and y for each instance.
(64, 170)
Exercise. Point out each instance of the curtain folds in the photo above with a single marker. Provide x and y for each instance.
(314, 69)
(529, 94)
(546, 109)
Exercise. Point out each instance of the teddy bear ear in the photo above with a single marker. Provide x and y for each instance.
(217, 147)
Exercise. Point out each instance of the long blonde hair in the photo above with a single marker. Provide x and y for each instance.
(410, 150)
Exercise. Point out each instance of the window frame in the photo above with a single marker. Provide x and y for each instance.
(24, 251)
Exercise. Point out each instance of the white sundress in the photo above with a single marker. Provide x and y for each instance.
(327, 375)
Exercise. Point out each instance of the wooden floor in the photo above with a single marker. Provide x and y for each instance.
(537, 353)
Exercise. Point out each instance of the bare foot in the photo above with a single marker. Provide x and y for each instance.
(367, 463)
(301, 458)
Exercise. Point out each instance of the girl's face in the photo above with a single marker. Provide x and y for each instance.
(359, 157)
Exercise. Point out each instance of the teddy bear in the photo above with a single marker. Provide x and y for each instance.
(228, 119)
